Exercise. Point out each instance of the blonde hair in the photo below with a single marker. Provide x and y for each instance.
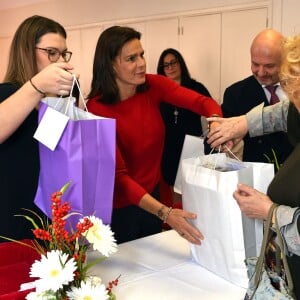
(290, 67)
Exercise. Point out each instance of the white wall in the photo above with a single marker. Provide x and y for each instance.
(78, 12)
(290, 17)
(284, 14)
(84, 21)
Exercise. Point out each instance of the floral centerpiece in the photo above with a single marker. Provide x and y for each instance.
(62, 271)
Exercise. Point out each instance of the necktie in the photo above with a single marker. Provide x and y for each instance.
(274, 98)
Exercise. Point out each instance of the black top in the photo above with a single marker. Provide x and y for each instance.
(19, 171)
(187, 122)
(285, 189)
(240, 98)
(293, 125)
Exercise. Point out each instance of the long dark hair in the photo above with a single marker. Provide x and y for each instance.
(22, 64)
(108, 48)
(185, 74)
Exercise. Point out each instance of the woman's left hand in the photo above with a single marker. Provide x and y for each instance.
(252, 203)
(178, 220)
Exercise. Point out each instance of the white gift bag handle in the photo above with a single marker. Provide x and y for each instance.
(70, 99)
(75, 81)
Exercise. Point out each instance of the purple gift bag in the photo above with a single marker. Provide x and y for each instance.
(85, 156)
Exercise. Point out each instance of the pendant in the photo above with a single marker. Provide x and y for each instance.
(175, 115)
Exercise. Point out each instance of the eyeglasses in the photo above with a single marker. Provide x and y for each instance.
(170, 64)
(54, 54)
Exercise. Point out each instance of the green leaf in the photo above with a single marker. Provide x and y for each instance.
(112, 296)
(29, 219)
(18, 242)
(93, 263)
(65, 187)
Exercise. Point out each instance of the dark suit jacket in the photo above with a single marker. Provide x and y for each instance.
(238, 99)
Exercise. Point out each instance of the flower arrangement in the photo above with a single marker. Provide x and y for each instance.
(62, 271)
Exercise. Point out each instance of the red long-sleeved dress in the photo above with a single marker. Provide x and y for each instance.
(140, 134)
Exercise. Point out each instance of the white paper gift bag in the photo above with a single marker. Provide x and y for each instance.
(193, 146)
(208, 183)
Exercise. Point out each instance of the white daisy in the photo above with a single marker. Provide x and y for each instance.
(88, 290)
(41, 296)
(54, 270)
(101, 236)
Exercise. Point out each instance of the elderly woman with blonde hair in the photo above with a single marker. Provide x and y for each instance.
(290, 69)
(284, 188)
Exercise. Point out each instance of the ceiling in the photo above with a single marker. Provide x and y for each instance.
(5, 4)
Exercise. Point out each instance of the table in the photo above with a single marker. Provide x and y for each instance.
(160, 267)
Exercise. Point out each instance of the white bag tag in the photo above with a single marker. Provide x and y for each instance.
(51, 128)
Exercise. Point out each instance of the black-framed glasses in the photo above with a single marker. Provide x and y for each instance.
(170, 64)
(54, 54)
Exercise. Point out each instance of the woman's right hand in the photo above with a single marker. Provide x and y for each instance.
(175, 218)
(178, 220)
(55, 79)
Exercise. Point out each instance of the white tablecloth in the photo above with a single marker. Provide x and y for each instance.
(160, 267)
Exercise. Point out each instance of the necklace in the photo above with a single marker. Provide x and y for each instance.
(176, 113)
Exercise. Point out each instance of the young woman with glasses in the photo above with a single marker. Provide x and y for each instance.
(178, 121)
(38, 67)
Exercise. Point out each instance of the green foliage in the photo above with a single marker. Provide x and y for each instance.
(273, 160)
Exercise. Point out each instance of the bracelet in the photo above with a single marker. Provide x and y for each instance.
(38, 90)
(160, 212)
(167, 214)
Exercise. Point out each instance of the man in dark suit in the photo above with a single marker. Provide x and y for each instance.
(243, 95)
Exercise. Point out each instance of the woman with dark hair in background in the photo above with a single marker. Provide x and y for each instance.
(178, 121)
